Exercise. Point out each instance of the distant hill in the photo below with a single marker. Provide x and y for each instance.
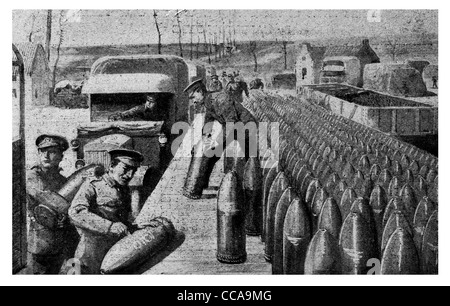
(270, 55)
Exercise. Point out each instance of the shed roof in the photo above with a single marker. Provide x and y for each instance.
(358, 50)
(28, 51)
(317, 53)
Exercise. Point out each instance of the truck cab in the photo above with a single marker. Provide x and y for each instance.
(341, 69)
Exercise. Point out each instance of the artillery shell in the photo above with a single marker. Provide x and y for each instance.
(133, 250)
(348, 197)
(276, 190)
(253, 197)
(423, 213)
(396, 220)
(433, 193)
(316, 206)
(375, 172)
(323, 255)
(394, 187)
(420, 187)
(424, 171)
(348, 172)
(362, 207)
(408, 177)
(364, 164)
(331, 182)
(330, 218)
(310, 192)
(277, 243)
(339, 191)
(305, 184)
(199, 168)
(397, 169)
(356, 243)
(404, 161)
(268, 181)
(297, 235)
(395, 204)
(414, 167)
(231, 238)
(400, 256)
(378, 203)
(235, 159)
(386, 163)
(430, 246)
(409, 202)
(431, 175)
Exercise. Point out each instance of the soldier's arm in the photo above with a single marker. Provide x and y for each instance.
(34, 184)
(81, 215)
(245, 88)
(131, 112)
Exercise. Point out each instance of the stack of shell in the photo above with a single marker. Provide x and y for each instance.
(347, 194)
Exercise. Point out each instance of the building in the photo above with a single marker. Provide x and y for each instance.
(363, 52)
(308, 64)
(37, 74)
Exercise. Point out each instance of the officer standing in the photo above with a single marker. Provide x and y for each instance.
(224, 109)
(47, 247)
(223, 79)
(235, 89)
(101, 210)
(215, 85)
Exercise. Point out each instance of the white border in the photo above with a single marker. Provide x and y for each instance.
(163, 280)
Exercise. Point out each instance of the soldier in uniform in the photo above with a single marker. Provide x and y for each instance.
(215, 85)
(223, 79)
(47, 247)
(149, 111)
(434, 79)
(224, 109)
(101, 210)
(256, 84)
(235, 89)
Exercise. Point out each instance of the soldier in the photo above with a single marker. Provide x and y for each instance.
(47, 247)
(215, 85)
(257, 84)
(434, 79)
(224, 109)
(235, 89)
(148, 111)
(224, 79)
(101, 210)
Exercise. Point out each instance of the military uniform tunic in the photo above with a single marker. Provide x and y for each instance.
(99, 203)
(236, 89)
(215, 86)
(44, 244)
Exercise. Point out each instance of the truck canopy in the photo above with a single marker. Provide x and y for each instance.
(129, 83)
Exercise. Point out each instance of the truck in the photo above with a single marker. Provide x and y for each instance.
(341, 69)
(120, 83)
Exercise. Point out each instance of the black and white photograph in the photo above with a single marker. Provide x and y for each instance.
(225, 141)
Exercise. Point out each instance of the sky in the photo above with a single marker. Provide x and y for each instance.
(106, 27)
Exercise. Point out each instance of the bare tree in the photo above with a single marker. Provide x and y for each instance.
(192, 43)
(394, 48)
(30, 35)
(180, 33)
(285, 35)
(48, 34)
(158, 30)
(252, 50)
(58, 50)
(284, 44)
